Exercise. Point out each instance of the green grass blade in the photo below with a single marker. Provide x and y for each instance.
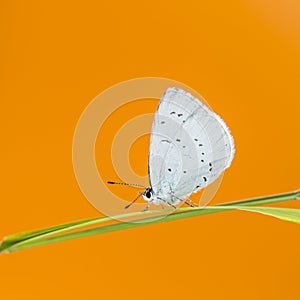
(46, 236)
(83, 223)
(49, 231)
(287, 214)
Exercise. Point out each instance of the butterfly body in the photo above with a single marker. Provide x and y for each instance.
(168, 199)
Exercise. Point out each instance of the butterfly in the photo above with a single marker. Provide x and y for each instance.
(190, 147)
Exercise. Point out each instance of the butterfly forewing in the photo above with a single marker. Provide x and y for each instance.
(190, 146)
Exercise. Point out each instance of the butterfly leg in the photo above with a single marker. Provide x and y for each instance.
(148, 205)
(171, 204)
(189, 204)
(127, 206)
(184, 201)
(192, 202)
(166, 202)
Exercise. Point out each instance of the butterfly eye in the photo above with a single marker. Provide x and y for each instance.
(148, 194)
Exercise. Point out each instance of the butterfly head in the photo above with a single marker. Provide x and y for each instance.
(148, 194)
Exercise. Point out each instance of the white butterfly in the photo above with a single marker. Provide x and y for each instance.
(190, 147)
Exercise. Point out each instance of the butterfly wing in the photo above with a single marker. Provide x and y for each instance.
(190, 146)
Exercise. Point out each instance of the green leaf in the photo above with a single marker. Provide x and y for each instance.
(286, 214)
(55, 234)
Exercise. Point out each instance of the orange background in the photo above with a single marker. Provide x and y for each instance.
(242, 56)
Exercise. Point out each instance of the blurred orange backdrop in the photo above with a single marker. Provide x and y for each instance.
(242, 56)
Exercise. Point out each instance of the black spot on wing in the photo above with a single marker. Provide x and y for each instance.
(165, 141)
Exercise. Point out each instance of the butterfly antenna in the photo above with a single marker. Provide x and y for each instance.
(128, 184)
(127, 206)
